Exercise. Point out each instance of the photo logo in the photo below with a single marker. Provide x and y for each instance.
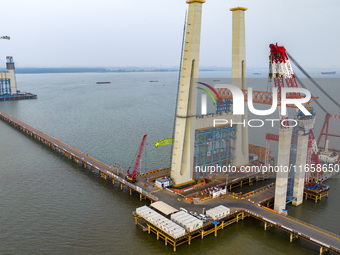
(204, 97)
(238, 100)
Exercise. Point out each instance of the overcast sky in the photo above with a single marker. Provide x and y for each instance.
(88, 33)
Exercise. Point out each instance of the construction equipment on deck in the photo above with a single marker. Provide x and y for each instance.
(132, 177)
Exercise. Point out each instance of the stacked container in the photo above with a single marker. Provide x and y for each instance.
(218, 212)
(186, 220)
(169, 227)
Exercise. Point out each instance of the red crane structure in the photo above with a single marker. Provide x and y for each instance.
(325, 132)
(269, 137)
(280, 67)
(132, 177)
(281, 70)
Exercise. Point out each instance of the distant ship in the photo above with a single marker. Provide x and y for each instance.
(332, 72)
(257, 73)
(103, 82)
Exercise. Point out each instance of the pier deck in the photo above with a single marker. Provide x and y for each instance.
(19, 96)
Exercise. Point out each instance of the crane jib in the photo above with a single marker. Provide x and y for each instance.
(139, 155)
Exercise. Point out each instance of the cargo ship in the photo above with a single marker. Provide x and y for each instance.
(331, 72)
(103, 82)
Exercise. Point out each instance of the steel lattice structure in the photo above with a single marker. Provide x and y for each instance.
(213, 146)
(5, 87)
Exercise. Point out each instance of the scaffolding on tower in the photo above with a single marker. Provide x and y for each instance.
(329, 155)
(213, 146)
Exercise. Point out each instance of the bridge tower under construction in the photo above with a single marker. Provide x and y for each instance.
(196, 141)
(8, 84)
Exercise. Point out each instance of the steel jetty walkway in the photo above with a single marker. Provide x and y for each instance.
(327, 241)
(77, 156)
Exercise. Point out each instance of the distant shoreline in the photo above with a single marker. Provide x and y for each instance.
(256, 71)
(37, 70)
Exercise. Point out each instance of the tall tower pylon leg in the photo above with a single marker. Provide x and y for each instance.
(11, 74)
(285, 136)
(301, 159)
(182, 153)
(305, 126)
(238, 75)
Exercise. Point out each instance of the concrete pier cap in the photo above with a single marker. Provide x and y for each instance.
(238, 9)
(195, 1)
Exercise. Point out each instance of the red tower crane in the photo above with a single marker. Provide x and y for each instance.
(132, 177)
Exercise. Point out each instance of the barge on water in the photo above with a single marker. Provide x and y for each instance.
(103, 82)
(18, 96)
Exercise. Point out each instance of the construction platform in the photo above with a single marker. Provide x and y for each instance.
(316, 191)
(207, 229)
(270, 218)
(240, 207)
(18, 96)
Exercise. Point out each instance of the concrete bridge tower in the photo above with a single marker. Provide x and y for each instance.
(182, 159)
(306, 124)
(238, 75)
(8, 84)
(285, 137)
(222, 144)
(11, 74)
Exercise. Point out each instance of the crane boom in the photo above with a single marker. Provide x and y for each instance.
(314, 82)
(131, 177)
(280, 69)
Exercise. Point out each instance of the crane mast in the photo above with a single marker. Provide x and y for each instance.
(132, 177)
(281, 69)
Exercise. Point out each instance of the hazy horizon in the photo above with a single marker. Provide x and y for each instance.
(87, 33)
